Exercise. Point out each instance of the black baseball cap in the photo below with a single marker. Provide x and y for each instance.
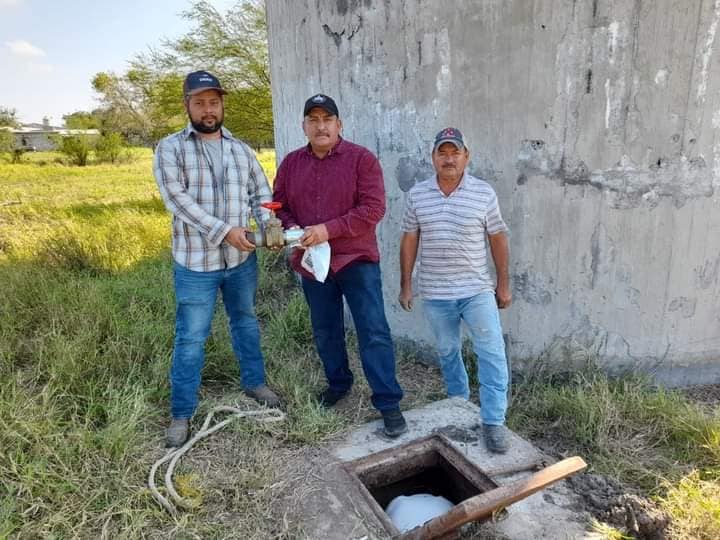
(451, 135)
(324, 102)
(199, 81)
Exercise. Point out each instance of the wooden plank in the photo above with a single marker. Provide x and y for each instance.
(483, 505)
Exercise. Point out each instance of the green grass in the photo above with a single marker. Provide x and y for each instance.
(86, 330)
(86, 326)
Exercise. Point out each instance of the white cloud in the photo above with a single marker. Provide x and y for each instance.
(8, 3)
(23, 48)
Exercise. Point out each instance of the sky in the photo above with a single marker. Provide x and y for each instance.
(51, 49)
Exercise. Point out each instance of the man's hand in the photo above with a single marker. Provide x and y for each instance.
(237, 239)
(406, 298)
(503, 296)
(315, 234)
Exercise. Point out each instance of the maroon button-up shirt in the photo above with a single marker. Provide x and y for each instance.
(344, 190)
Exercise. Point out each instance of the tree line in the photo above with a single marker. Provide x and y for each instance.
(145, 103)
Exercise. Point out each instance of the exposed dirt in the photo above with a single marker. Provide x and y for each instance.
(706, 395)
(615, 504)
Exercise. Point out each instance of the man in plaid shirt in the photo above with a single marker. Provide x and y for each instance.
(210, 181)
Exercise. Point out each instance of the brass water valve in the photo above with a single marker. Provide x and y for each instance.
(271, 234)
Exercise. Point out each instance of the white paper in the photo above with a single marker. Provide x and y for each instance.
(316, 260)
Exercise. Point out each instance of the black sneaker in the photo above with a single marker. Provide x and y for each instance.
(394, 423)
(328, 398)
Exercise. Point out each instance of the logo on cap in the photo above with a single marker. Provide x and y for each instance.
(319, 99)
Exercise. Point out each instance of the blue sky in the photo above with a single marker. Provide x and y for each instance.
(50, 49)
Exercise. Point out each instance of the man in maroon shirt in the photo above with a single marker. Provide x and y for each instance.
(334, 189)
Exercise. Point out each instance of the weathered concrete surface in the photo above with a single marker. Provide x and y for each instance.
(341, 512)
(597, 122)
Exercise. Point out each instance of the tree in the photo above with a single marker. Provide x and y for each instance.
(8, 117)
(84, 120)
(146, 102)
(7, 141)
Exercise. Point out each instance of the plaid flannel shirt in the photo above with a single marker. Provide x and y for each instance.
(203, 208)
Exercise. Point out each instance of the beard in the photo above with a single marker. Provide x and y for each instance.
(202, 127)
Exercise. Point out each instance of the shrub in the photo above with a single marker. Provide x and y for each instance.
(109, 147)
(75, 147)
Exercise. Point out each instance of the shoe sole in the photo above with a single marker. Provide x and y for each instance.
(168, 445)
(395, 434)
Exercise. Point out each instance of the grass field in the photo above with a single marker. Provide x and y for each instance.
(86, 329)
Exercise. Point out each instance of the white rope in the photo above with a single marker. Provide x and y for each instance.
(174, 455)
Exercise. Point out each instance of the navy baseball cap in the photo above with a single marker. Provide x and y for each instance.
(451, 135)
(199, 81)
(324, 102)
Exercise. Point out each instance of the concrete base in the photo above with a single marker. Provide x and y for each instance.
(340, 512)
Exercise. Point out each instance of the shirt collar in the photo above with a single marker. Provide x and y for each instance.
(190, 130)
(434, 186)
(337, 149)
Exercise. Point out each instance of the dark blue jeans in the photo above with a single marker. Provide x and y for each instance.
(361, 285)
(195, 296)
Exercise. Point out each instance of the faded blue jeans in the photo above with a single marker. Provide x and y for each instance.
(482, 318)
(195, 296)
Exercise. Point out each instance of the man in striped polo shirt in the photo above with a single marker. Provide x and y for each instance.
(452, 214)
(210, 182)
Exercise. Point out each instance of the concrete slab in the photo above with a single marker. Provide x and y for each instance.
(340, 512)
(455, 418)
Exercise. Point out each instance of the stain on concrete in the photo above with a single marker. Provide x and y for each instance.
(343, 6)
(627, 185)
(459, 434)
(602, 253)
(348, 32)
(683, 304)
(532, 287)
(410, 170)
(708, 273)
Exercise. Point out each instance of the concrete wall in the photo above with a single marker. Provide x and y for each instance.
(598, 124)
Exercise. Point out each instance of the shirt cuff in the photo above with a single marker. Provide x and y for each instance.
(334, 228)
(218, 233)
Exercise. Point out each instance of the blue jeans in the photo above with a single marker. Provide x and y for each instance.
(361, 285)
(195, 295)
(480, 314)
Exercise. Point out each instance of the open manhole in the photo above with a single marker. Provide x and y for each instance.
(430, 465)
(433, 466)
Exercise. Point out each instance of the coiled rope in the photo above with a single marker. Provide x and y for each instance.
(174, 455)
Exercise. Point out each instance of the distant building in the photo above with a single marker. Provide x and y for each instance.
(41, 137)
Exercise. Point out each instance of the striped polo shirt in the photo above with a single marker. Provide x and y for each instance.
(453, 251)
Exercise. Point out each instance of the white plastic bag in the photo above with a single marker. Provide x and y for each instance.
(408, 512)
(316, 260)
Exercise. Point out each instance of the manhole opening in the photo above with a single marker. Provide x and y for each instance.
(428, 473)
(428, 465)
